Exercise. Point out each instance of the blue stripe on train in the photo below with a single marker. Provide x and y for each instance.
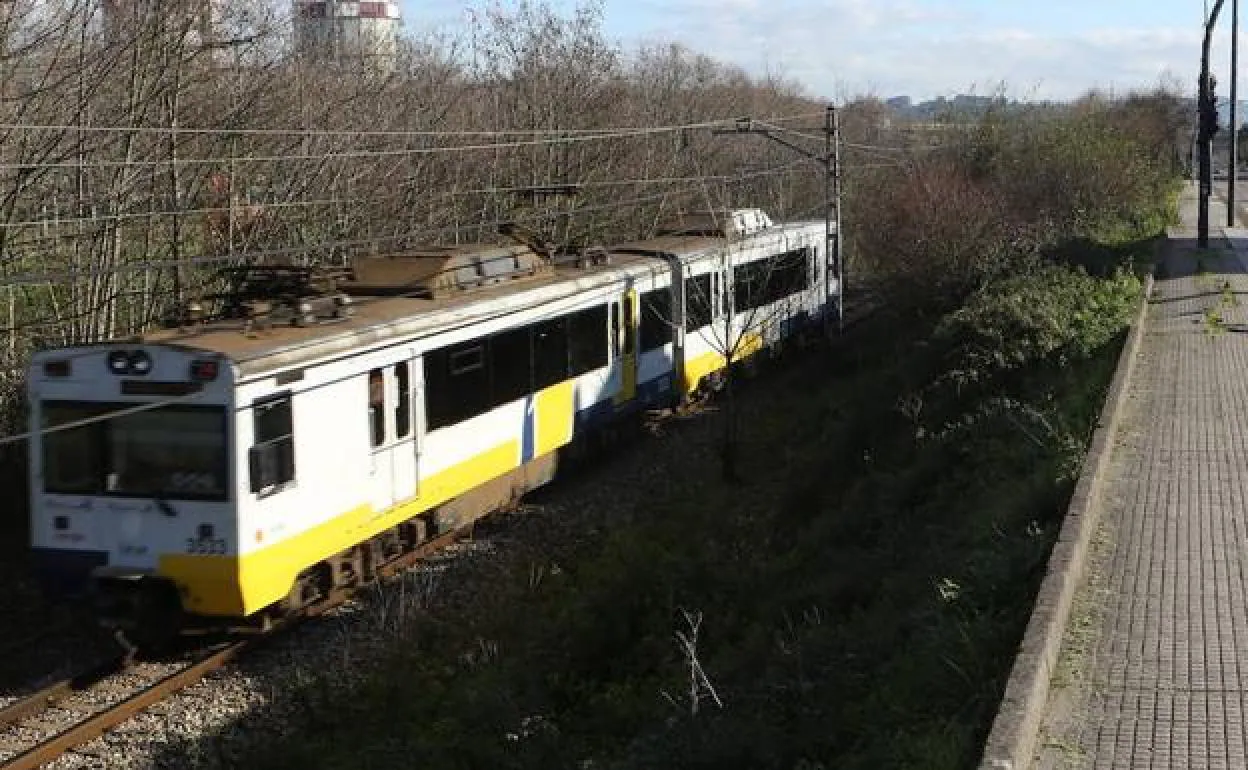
(651, 393)
(527, 433)
(658, 392)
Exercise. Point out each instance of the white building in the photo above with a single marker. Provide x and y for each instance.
(348, 31)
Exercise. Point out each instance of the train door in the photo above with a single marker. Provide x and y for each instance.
(405, 452)
(721, 311)
(624, 341)
(381, 473)
(392, 432)
(676, 318)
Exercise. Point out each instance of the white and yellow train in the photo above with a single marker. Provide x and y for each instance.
(232, 470)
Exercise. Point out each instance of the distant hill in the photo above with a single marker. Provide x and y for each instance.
(966, 104)
(960, 104)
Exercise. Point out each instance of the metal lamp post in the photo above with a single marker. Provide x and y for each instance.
(1234, 164)
(1208, 125)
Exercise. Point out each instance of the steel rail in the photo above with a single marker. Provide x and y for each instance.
(51, 694)
(100, 722)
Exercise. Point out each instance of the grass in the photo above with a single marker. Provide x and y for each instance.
(1083, 627)
(855, 604)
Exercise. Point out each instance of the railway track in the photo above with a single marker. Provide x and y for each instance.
(69, 713)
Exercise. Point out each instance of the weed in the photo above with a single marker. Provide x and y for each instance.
(1213, 322)
(1229, 298)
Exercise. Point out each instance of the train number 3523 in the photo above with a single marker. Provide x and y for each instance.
(205, 545)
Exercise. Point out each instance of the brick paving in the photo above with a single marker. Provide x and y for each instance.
(1154, 666)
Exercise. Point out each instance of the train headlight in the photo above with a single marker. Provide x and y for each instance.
(140, 362)
(118, 362)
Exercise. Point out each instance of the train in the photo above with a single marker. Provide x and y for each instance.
(233, 468)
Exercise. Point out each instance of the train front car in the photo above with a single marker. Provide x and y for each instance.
(132, 483)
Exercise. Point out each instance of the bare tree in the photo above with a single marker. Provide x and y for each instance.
(745, 306)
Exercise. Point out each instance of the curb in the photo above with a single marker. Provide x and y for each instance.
(1011, 743)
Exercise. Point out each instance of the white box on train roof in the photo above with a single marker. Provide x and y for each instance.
(732, 224)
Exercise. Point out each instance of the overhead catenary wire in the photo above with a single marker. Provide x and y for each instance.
(51, 277)
(390, 133)
(56, 320)
(363, 154)
(141, 215)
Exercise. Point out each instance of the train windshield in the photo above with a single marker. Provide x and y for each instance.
(171, 451)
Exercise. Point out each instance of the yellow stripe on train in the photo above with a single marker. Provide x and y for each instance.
(234, 586)
(699, 366)
(229, 585)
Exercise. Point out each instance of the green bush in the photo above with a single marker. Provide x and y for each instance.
(1052, 313)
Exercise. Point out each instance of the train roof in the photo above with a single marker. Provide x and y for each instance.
(376, 320)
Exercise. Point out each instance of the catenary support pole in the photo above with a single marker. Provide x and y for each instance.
(829, 209)
(840, 241)
(830, 162)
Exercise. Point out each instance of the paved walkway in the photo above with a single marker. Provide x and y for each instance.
(1154, 666)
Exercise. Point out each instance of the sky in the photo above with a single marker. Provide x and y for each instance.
(840, 49)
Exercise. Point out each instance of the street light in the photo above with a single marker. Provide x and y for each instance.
(1208, 125)
(1234, 149)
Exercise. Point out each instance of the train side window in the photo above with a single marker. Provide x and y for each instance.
(272, 457)
(790, 274)
(749, 285)
(439, 400)
(630, 326)
(656, 319)
(772, 276)
(698, 301)
(587, 343)
(457, 384)
(510, 366)
(403, 409)
(466, 359)
(550, 352)
(377, 407)
(615, 330)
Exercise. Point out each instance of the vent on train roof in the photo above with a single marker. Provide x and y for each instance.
(439, 271)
